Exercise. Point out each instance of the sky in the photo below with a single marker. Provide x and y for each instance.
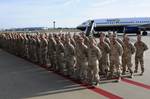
(66, 13)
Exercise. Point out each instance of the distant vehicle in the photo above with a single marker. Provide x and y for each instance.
(119, 25)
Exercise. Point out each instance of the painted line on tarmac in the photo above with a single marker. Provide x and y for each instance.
(136, 83)
(105, 93)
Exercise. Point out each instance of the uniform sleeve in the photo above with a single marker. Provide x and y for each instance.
(99, 54)
(135, 45)
(72, 50)
(120, 41)
(62, 48)
(145, 47)
(86, 51)
(107, 41)
(107, 48)
(45, 43)
(120, 49)
(132, 49)
(54, 45)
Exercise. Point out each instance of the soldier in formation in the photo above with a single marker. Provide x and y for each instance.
(128, 51)
(141, 47)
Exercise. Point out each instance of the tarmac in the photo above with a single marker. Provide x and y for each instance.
(21, 79)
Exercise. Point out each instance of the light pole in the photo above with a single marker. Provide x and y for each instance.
(54, 24)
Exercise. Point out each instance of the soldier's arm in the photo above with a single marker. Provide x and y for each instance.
(46, 42)
(72, 49)
(145, 46)
(54, 45)
(62, 48)
(99, 54)
(120, 49)
(86, 51)
(120, 41)
(107, 48)
(135, 44)
(132, 48)
(107, 41)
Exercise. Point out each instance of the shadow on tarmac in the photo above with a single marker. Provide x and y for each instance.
(21, 79)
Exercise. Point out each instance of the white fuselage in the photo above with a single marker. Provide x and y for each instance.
(119, 22)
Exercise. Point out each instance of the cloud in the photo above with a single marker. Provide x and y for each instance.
(103, 3)
(69, 2)
(139, 5)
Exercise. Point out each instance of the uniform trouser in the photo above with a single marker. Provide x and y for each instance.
(70, 62)
(137, 61)
(34, 54)
(94, 71)
(103, 66)
(26, 51)
(52, 60)
(126, 63)
(60, 62)
(115, 64)
(38, 54)
(43, 57)
(81, 70)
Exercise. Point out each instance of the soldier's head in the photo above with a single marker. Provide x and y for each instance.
(126, 38)
(58, 39)
(82, 34)
(102, 37)
(91, 41)
(139, 37)
(112, 38)
(109, 34)
(69, 34)
(67, 40)
(114, 34)
(50, 35)
(80, 39)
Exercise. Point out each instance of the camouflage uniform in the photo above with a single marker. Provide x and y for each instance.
(94, 55)
(104, 62)
(34, 55)
(140, 48)
(115, 55)
(37, 45)
(43, 51)
(60, 56)
(26, 46)
(82, 62)
(128, 51)
(30, 48)
(52, 51)
(70, 57)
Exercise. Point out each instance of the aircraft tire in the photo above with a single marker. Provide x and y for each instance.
(144, 33)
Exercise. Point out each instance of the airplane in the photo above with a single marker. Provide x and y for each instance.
(119, 25)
